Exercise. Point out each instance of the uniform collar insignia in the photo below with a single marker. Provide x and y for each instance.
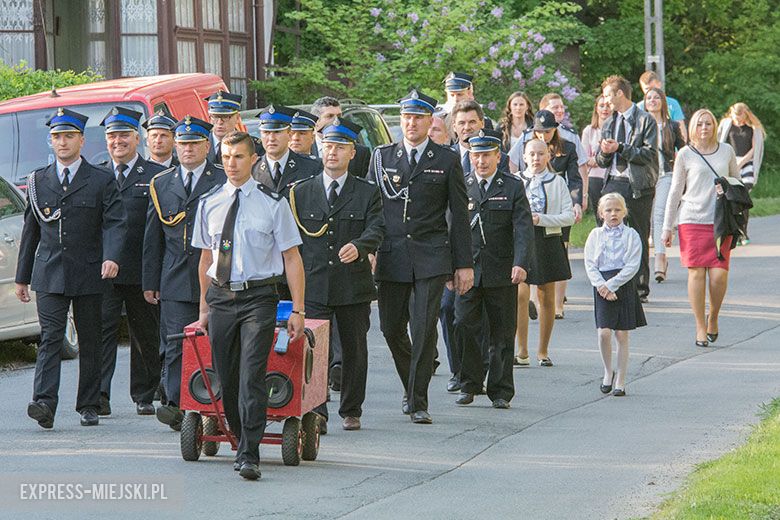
(500, 182)
(140, 169)
(291, 163)
(430, 154)
(208, 172)
(262, 166)
(399, 153)
(470, 182)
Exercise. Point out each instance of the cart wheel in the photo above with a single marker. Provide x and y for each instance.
(311, 436)
(292, 442)
(210, 427)
(191, 433)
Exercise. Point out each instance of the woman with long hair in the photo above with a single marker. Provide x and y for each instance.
(691, 206)
(516, 118)
(591, 138)
(670, 139)
(745, 133)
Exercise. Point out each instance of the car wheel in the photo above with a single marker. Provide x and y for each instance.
(70, 346)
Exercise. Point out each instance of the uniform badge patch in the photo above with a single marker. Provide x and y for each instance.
(430, 154)
(226, 245)
(46, 211)
(399, 153)
(471, 205)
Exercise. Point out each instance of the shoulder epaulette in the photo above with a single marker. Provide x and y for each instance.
(218, 166)
(363, 179)
(507, 175)
(385, 145)
(165, 172)
(299, 181)
(268, 191)
(211, 192)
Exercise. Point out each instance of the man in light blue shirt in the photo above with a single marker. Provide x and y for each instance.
(650, 79)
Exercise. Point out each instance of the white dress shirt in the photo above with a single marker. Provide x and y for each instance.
(420, 149)
(72, 169)
(327, 180)
(196, 173)
(129, 168)
(282, 162)
(622, 119)
(600, 250)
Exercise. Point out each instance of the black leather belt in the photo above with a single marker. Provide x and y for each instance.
(249, 284)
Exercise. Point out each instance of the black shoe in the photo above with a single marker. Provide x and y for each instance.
(605, 389)
(236, 465)
(619, 392)
(453, 385)
(105, 405)
(144, 408)
(405, 405)
(643, 298)
(249, 471)
(421, 417)
(501, 404)
(89, 417)
(435, 366)
(464, 398)
(702, 343)
(169, 414)
(712, 337)
(532, 312)
(41, 412)
(335, 377)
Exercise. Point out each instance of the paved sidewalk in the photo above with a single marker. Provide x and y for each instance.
(562, 451)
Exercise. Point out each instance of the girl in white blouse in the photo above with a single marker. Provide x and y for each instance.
(612, 256)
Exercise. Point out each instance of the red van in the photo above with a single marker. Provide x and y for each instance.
(24, 133)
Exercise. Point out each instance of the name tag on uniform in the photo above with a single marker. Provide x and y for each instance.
(499, 198)
(138, 184)
(391, 170)
(437, 172)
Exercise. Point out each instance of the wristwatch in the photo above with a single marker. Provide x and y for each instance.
(302, 314)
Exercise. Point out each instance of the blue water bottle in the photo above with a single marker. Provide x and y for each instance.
(283, 311)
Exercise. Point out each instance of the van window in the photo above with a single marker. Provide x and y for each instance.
(10, 203)
(8, 137)
(164, 108)
(35, 145)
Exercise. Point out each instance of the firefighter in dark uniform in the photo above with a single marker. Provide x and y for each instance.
(420, 181)
(170, 263)
(458, 86)
(223, 110)
(501, 238)
(74, 228)
(302, 136)
(248, 237)
(160, 130)
(341, 222)
(133, 175)
(280, 167)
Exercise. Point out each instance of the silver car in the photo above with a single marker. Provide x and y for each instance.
(20, 320)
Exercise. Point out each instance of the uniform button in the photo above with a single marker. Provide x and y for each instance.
(330, 247)
(189, 253)
(64, 233)
(64, 218)
(330, 262)
(330, 219)
(330, 232)
(408, 236)
(410, 183)
(64, 248)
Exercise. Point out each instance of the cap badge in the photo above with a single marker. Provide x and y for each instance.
(60, 111)
(271, 109)
(481, 133)
(188, 128)
(414, 95)
(187, 121)
(114, 111)
(297, 114)
(161, 112)
(219, 96)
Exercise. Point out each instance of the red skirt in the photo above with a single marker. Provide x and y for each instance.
(697, 247)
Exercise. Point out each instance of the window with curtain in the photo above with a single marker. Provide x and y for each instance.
(139, 40)
(185, 13)
(237, 81)
(97, 51)
(17, 40)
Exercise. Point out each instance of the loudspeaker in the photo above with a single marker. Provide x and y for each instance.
(296, 381)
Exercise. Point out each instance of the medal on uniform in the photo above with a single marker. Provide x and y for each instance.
(471, 205)
(396, 179)
(226, 245)
(46, 211)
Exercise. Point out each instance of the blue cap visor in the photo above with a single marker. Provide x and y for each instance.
(456, 85)
(191, 133)
(416, 106)
(65, 123)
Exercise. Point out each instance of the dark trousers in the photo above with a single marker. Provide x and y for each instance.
(174, 316)
(143, 320)
(500, 306)
(640, 215)
(447, 322)
(241, 331)
(413, 357)
(53, 316)
(351, 325)
(595, 186)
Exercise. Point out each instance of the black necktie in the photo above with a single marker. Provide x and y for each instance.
(332, 194)
(225, 258)
(120, 174)
(483, 186)
(65, 179)
(413, 159)
(188, 183)
(277, 174)
(621, 163)
(466, 163)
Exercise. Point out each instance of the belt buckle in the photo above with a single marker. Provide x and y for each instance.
(237, 286)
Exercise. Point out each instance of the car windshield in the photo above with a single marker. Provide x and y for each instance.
(34, 143)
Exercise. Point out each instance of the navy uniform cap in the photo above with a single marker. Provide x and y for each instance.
(191, 129)
(225, 103)
(544, 120)
(120, 119)
(275, 118)
(160, 121)
(303, 121)
(417, 103)
(65, 120)
(457, 81)
(341, 131)
(484, 141)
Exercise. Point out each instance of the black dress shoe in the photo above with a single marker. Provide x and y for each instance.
(335, 377)
(501, 404)
(532, 312)
(236, 465)
(712, 337)
(249, 471)
(405, 405)
(702, 343)
(619, 392)
(453, 385)
(605, 389)
(465, 398)
(105, 405)
(421, 417)
(169, 414)
(41, 412)
(643, 299)
(89, 417)
(144, 408)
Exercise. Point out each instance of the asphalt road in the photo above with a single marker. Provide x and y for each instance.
(562, 451)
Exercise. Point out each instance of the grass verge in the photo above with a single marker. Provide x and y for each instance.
(14, 353)
(743, 484)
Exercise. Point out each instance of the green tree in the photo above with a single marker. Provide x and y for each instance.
(20, 80)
